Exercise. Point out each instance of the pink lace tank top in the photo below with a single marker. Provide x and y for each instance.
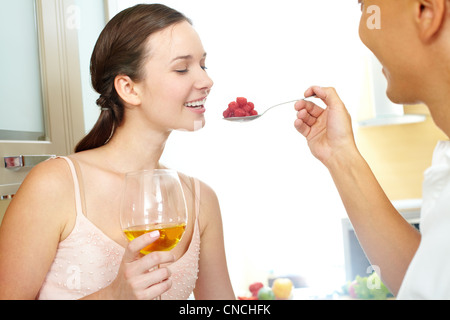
(88, 260)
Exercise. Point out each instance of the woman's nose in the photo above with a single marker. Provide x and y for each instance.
(204, 82)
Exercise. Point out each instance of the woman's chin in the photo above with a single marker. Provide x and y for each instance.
(195, 125)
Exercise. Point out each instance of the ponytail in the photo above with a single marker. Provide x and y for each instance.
(110, 118)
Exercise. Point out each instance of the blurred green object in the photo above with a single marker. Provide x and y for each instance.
(367, 288)
(266, 293)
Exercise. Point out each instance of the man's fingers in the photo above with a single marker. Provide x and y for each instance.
(328, 95)
(302, 127)
(312, 108)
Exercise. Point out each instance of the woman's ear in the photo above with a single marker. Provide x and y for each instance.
(125, 88)
(430, 17)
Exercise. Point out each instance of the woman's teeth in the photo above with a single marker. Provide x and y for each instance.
(195, 104)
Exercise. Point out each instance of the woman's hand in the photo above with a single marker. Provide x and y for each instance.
(328, 131)
(138, 277)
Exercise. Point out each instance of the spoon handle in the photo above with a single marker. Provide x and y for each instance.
(287, 102)
(279, 105)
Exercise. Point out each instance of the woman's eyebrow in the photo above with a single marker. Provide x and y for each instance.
(186, 57)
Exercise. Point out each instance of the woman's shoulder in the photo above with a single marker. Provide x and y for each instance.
(48, 186)
(207, 193)
(44, 197)
(209, 202)
(51, 174)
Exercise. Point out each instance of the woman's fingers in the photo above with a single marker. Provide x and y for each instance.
(153, 260)
(151, 284)
(156, 290)
(139, 275)
(134, 247)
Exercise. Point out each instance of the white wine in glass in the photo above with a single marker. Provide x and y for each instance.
(154, 200)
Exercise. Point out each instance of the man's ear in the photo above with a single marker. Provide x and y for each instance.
(430, 16)
(126, 89)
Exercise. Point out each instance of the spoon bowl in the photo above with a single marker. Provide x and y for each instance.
(251, 118)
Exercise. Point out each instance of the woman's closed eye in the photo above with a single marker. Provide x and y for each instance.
(186, 70)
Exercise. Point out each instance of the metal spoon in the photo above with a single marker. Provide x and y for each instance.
(251, 118)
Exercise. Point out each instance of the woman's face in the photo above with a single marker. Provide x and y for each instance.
(175, 85)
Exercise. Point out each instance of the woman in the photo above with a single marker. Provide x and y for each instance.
(148, 66)
(413, 45)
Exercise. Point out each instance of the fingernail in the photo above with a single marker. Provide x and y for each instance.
(154, 234)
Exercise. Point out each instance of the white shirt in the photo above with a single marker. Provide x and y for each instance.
(428, 275)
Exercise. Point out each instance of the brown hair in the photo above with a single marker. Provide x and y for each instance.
(121, 50)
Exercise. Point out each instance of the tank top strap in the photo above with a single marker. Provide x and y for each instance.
(76, 185)
(196, 184)
(197, 197)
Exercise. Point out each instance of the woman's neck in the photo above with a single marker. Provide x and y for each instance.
(131, 149)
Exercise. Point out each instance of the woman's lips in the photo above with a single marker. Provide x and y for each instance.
(196, 103)
(196, 106)
(198, 110)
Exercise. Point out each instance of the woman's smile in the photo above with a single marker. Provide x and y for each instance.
(197, 106)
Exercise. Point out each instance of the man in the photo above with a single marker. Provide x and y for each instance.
(412, 42)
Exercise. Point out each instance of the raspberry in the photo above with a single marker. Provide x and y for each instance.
(255, 287)
(240, 108)
(233, 105)
(247, 108)
(241, 101)
(239, 112)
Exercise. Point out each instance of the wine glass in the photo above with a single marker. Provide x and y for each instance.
(154, 200)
